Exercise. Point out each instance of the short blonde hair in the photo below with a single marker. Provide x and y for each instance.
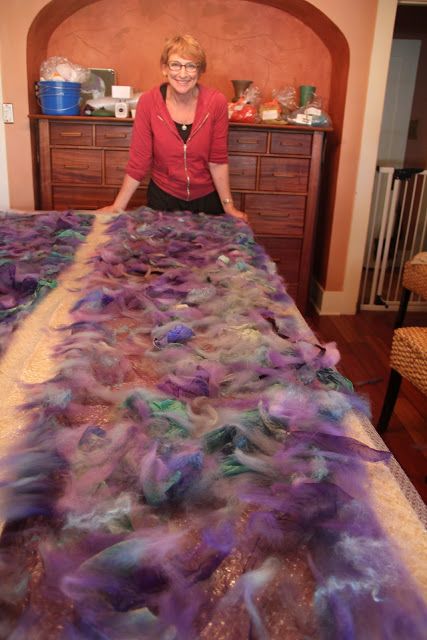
(187, 47)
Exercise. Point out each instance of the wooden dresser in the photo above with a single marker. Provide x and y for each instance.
(274, 171)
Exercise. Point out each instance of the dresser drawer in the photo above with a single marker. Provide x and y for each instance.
(70, 134)
(115, 166)
(237, 199)
(247, 141)
(82, 166)
(286, 253)
(298, 144)
(284, 174)
(113, 135)
(242, 172)
(68, 197)
(276, 214)
(138, 199)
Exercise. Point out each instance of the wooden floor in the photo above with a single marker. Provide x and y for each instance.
(364, 342)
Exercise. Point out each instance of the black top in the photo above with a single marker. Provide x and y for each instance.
(184, 130)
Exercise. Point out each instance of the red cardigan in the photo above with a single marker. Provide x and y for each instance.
(181, 169)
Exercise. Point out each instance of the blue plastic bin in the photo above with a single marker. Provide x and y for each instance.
(59, 98)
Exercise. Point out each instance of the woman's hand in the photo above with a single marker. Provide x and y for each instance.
(110, 208)
(221, 180)
(236, 213)
(121, 201)
(240, 215)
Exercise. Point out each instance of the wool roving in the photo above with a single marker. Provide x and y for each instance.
(188, 473)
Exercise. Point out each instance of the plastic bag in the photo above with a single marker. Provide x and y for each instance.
(61, 69)
(287, 98)
(251, 95)
(242, 112)
(245, 109)
(107, 103)
(311, 114)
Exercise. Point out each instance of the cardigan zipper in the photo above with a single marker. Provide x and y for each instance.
(187, 176)
(193, 132)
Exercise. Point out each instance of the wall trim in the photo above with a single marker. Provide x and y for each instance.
(331, 303)
(4, 175)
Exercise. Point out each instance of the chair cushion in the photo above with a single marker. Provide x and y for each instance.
(415, 274)
(409, 355)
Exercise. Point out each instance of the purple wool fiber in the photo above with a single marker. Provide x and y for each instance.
(35, 249)
(191, 449)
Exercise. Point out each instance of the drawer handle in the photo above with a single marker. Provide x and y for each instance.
(246, 141)
(264, 213)
(289, 144)
(71, 134)
(114, 136)
(76, 166)
(280, 174)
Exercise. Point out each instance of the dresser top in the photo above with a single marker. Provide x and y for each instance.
(243, 125)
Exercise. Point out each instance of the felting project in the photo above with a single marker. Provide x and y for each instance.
(34, 250)
(187, 473)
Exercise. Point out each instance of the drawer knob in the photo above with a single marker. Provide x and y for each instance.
(115, 136)
(71, 134)
(76, 166)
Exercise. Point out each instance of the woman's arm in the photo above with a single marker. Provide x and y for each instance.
(140, 155)
(128, 188)
(221, 180)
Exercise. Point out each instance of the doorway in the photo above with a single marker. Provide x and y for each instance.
(402, 75)
(398, 218)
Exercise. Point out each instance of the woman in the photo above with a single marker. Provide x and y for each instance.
(180, 133)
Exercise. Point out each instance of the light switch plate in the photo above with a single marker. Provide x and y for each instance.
(7, 110)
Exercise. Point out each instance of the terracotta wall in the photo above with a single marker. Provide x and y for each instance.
(242, 40)
(15, 21)
(354, 18)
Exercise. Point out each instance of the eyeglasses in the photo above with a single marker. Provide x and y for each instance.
(190, 67)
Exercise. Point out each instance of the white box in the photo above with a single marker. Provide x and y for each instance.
(121, 91)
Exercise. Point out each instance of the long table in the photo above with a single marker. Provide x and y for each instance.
(181, 459)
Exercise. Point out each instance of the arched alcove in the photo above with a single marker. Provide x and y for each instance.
(56, 12)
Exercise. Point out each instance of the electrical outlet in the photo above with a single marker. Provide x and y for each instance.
(7, 109)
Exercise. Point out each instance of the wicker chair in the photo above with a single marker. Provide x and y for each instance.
(408, 358)
(414, 281)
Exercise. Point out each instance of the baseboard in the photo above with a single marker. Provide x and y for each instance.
(330, 303)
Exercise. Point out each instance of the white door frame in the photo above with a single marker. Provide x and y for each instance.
(4, 175)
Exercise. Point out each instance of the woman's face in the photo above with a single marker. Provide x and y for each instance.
(181, 73)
